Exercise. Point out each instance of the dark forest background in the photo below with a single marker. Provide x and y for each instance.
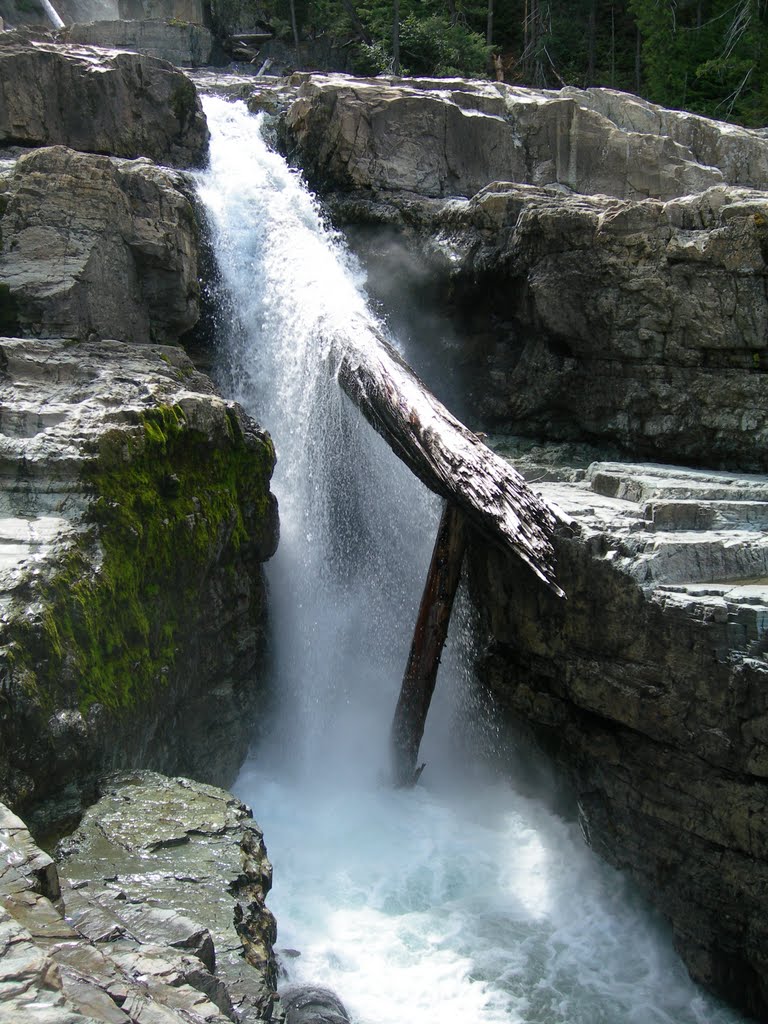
(708, 56)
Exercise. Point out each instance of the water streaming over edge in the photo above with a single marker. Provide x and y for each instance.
(463, 899)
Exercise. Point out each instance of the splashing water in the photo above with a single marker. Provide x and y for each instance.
(461, 900)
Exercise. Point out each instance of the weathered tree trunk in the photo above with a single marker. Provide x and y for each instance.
(295, 29)
(354, 17)
(396, 37)
(427, 646)
(476, 483)
(444, 454)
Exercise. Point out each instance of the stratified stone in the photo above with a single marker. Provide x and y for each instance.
(649, 686)
(169, 38)
(136, 515)
(96, 247)
(639, 324)
(98, 101)
(448, 137)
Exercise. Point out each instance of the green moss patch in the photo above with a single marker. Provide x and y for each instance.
(170, 509)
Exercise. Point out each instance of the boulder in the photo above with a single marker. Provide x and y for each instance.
(135, 518)
(648, 685)
(205, 855)
(193, 876)
(98, 101)
(96, 247)
(181, 42)
(312, 1004)
(449, 137)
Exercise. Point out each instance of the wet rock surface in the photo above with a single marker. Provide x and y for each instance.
(92, 246)
(648, 685)
(98, 101)
(135, 518)
(156, 918)
(308, 1004)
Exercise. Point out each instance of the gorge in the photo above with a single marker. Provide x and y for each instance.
(469, 895)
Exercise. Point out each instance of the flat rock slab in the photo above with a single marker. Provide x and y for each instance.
(99, 101)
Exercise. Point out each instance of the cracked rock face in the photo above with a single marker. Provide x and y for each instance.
(649, 685)
(158, 886)
(96, 247)
(98, 101)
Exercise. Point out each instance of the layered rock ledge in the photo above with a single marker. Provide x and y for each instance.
(450, 137)
(163, 924)
(649, 686)
(136, 514)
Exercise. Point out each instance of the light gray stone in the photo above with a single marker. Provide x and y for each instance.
(177, 40)
(449, 137)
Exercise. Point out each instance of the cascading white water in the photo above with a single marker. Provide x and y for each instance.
(462, 900)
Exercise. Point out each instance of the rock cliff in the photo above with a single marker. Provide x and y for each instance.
(91, 246)
(136, 515)
(136, 511)
(605, 316)
(165, 925)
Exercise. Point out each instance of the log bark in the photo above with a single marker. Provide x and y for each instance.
(427, 646)
(443, 453)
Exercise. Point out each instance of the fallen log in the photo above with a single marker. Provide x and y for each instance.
(427, 646)
(444, 454)
(479, 487)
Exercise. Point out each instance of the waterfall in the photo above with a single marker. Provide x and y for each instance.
(463, 899)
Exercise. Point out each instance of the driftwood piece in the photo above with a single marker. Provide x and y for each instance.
(427, 646)
(444, 454)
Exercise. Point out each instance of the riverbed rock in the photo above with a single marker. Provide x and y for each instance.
(98, 101)
(97, 247)
(648, 684)
(135, 518)
(449, 137)
(108, 937)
